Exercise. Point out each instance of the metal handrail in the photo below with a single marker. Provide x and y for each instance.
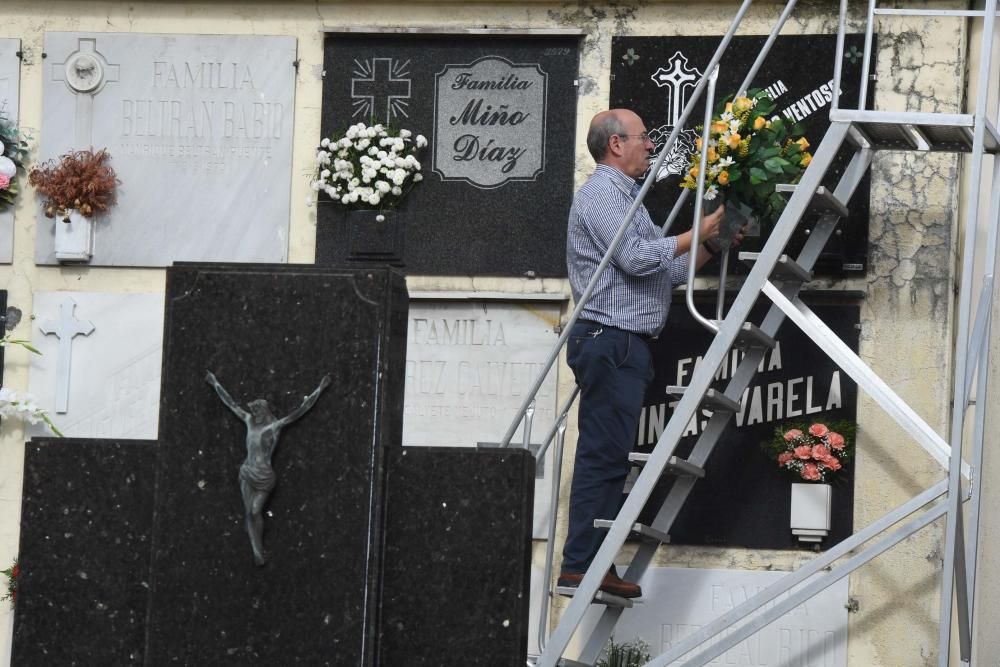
(698, 206)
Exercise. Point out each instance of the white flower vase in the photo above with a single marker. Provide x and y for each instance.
(74, 239)
(810, 519)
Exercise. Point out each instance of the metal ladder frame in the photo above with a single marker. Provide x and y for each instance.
(971, 361)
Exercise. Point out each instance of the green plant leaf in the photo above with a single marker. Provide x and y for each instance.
(757, 175)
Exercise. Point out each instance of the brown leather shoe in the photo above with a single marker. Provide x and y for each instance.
(611, 583)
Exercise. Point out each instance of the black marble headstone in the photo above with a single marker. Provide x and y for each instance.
(500, 115)
(744, 499)
(450, 601)
(273, 333)
(655, 75)
(86, 520)
(369, 542)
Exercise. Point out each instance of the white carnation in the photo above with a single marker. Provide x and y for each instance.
(325, 143)
(417, 178)
(405, 134)
(421, 141)
(397, 191)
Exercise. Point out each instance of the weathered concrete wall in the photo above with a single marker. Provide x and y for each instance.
(906, 315)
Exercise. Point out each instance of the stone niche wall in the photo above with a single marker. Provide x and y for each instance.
(921, 67)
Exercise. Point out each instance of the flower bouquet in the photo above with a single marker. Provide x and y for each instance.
(814, 453)
(13, 153)
(750, 150)
(81, 181)
(368, 167)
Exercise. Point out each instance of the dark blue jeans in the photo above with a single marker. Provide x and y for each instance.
(612, 368)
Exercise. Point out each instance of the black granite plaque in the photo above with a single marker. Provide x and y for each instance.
(273, 333)
(500, 115)
(456, 568)
(744, 499)
(655, 75)
(86, 519)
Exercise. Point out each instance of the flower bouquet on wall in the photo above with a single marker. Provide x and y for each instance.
(813, 455)
(750, 151)
(13, 154)
(369, 170)
(77, 188)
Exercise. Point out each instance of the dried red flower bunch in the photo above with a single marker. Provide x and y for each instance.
(80, 179)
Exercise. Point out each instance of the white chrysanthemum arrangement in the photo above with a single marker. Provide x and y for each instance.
(369, 167)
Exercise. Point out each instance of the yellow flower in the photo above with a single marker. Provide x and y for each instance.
(713, 155)
(744, 148)
(729, 107)
(767, 124)
(723, 177)
(734, 140)
(697, 143)
(803, 142)
(741, 104)
(759, 123)
(718, 127)
(694, 172)
(806, 159)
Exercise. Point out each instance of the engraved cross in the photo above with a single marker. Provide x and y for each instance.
(65, 329)
(85, 73)
(678, 79)
(380, 90)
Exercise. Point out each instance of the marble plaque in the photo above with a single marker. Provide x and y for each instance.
(199, 128)
(489, 122)
(469, 365)
(110, 377)
(10, 76)
(813, 634)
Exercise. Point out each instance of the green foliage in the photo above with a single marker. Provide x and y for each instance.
(634, 653)
(750, 151)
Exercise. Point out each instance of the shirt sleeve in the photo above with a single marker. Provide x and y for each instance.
(634, 255)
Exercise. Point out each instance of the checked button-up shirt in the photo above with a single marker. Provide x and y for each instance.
(633, 293)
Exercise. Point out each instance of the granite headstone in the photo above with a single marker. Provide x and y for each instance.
(86, 519)
(744, 499)
(656, 75)
(500, 115)
(451, 602)
(10, 85)
(353, 519)
(199, 130)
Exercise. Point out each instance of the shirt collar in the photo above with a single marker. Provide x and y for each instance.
(616, 176)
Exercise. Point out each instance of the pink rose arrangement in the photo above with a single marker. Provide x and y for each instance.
(813, 453)
(13, 153)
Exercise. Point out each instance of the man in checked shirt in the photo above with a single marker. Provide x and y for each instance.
(608, 346)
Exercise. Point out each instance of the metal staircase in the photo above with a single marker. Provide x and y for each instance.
(780, 278)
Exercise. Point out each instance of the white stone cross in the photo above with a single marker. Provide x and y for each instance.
(85, 73)
(678, 79)
(65, 329)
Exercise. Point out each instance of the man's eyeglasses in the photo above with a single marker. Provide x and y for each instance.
(641, 137)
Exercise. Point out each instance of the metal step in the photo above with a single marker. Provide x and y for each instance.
(563, 662)
(785, 270)
(908, 131)
(606, 599)
(640, 529)
(750, 336)
(823, 201)
(678, 466)
(714, 400)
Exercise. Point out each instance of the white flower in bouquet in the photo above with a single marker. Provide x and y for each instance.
(373, 166)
